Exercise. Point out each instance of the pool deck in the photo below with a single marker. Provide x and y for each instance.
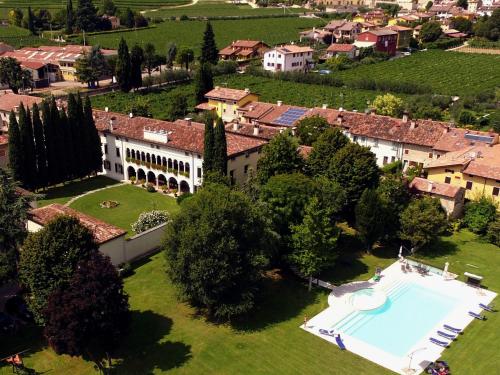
(425, 351)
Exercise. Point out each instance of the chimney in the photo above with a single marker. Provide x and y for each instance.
(16, 109)
(446, 130)
(413, 124)
(217, 87)
(106, 109)
(111, 123)
(256, 129)
(280, 103)
(324, 106)
(405, 116)
(188, 121)
(293, 131)
(251, 107)
(340, 119)
(236, 126)
(247, 90)
(430, 186)
(130, 115)
(373, 112)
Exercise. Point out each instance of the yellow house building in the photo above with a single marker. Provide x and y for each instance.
(226, 102)
(476, 168)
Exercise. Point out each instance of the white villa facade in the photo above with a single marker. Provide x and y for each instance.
(287, 58)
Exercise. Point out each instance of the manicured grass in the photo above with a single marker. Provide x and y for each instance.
(451, 73)
(168, 337)
(63, 193)
(133, 201)
(190, 33)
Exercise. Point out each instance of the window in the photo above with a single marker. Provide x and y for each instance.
(393, 159)
(447, 180)
(245, 169)
(247, 154)
(117, 152)
(118, 168)
(128, 152)
(106, 149)
(407, 152)
(449, 171)
(107, 165)
(386, 159)
(496, 191)
(198, 172)
(430, 155)
(375, 143)
(468, 185)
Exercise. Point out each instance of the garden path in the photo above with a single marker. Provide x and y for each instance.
(68, 203)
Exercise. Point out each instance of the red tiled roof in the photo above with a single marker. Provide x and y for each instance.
(422, 185)
(380, 32)
(227, 94)
(228, 51)
(34, 64)
(305, 151)
(182, 135)
(205, 107)
(9, 101)
(246, 43)
(103, 232)
(248, 130)
(455, 139)
(340, 47)
(399, 28)
(4, 140)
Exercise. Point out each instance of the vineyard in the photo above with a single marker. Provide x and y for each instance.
(449, 73)
(190, 33)
(18, 37)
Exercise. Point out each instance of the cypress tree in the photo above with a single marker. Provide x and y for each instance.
(84, 139)
(40, 151)
(123, 70)
(203, 81)
(136, 60)
(95, 152)
(16, 159)
(209, 51)
(70, 20)
(75, 126)
(48, 132)
(58, 143)
(220, 148)
(208, 151)
(28, 147)
(31, 23)
(67, 141)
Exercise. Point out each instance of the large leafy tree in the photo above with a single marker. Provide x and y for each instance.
(370, 222)
(478, 214)
(13, 214)
(185, 57)
(310, 128)
(220, 148)
(393, 193)
(151, 60)
(214, 248)
(314, 241)
(388, 105)
(49, 259)
(177, 106)
(89, 314)
(422, 221)
(123, 66)
(86, 16)
(203, 82)
(12, 75)
(171, 54)
(209, 51)
(136, 61)
(325, 147)
(16, 155)
(430, 32)
(91, 66)
(280, 155)
(354, 167)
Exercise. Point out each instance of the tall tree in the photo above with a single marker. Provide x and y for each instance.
(123, 66)
(220, 148)
(150, 58)
(171, 54)
(314, 241)
(58, 141)
(12, 75)
(89, 315)
(31, 22)
(28, 148)
(109, 7)
(50, 257)
(209, 146)
(280, 155)
(185, 57)
(75, 124)
(40, 150)
(86, 16)
(50, 143)
(70, 17)
(310, 128)
(178, 106)
(388, 105)
(370, 221)
(220, 230)
(95, 152)
(393, 192)
(16, 155)
(136, 61)
(430, 31)
(209, 51)
(325, 147)
(13, 215)
(127, 18)
(203, 82)
(67, 138)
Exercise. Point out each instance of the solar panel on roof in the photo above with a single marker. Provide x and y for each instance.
(290, 116)
(479, 138)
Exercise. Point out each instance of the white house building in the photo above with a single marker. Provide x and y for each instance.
(288, 58)
(166, 153)
(11, 102)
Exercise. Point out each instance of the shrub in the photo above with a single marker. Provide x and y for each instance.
(150, 188)
(183, 197)
(151, 219)
(479, 214)
(132, 179)
(493, 232)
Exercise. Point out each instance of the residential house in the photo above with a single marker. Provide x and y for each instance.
(404, 35)
(11, 102)
(376, 17)
(115, 21)
(385, 40)
(167, 153)
(225, 102)
(344, 30)
(288, 58)
(316, 35)
(335, 49)
(243, 50)
(348, 4)
(451, 197)
(475, 168)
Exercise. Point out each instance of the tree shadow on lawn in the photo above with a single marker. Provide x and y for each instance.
(147, 348)
(77, 187)
(283, 297)
(438, 248)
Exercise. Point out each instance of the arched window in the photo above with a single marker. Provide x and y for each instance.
(148, 158)
(164, 161)
(186, 168)
(153, 159)
(133, 154)
(181, 166)
(176, 165)
(170, 163)
(128, 152)
(143, 156)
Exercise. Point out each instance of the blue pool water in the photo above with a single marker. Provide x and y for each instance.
(408, 315)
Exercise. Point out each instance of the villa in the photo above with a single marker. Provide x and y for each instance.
(288, 58)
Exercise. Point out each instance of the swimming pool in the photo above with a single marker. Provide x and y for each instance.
(408, 315)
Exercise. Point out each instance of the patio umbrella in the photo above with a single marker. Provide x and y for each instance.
(446, 268)
(400, 251)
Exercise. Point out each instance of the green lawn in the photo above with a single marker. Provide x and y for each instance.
(63, 193)
(167, 337)
(133, 201)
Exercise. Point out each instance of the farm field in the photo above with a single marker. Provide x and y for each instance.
(168, 337)
(190, 33)
(449, 73)
(19, 37)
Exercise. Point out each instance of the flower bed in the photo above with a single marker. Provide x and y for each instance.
(109, 204)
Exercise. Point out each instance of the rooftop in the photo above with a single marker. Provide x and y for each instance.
(103, 232)
(340, 47)
(227, 94)
(422, 185)
(9, 101)
(380, 32)
(293, 48)
(4, 140)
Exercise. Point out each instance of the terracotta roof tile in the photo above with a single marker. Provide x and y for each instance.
(4, 140)
(340, 47)
(257, 131)
(102, 231)
(227, 94)
(422, 185)
(456, 139)
(8, 102)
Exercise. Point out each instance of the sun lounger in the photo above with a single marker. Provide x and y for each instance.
(446, 335)
(485, 307)
(452, 329)
(326, 332)
(340, 343)
(444, 344)
(477, 316)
